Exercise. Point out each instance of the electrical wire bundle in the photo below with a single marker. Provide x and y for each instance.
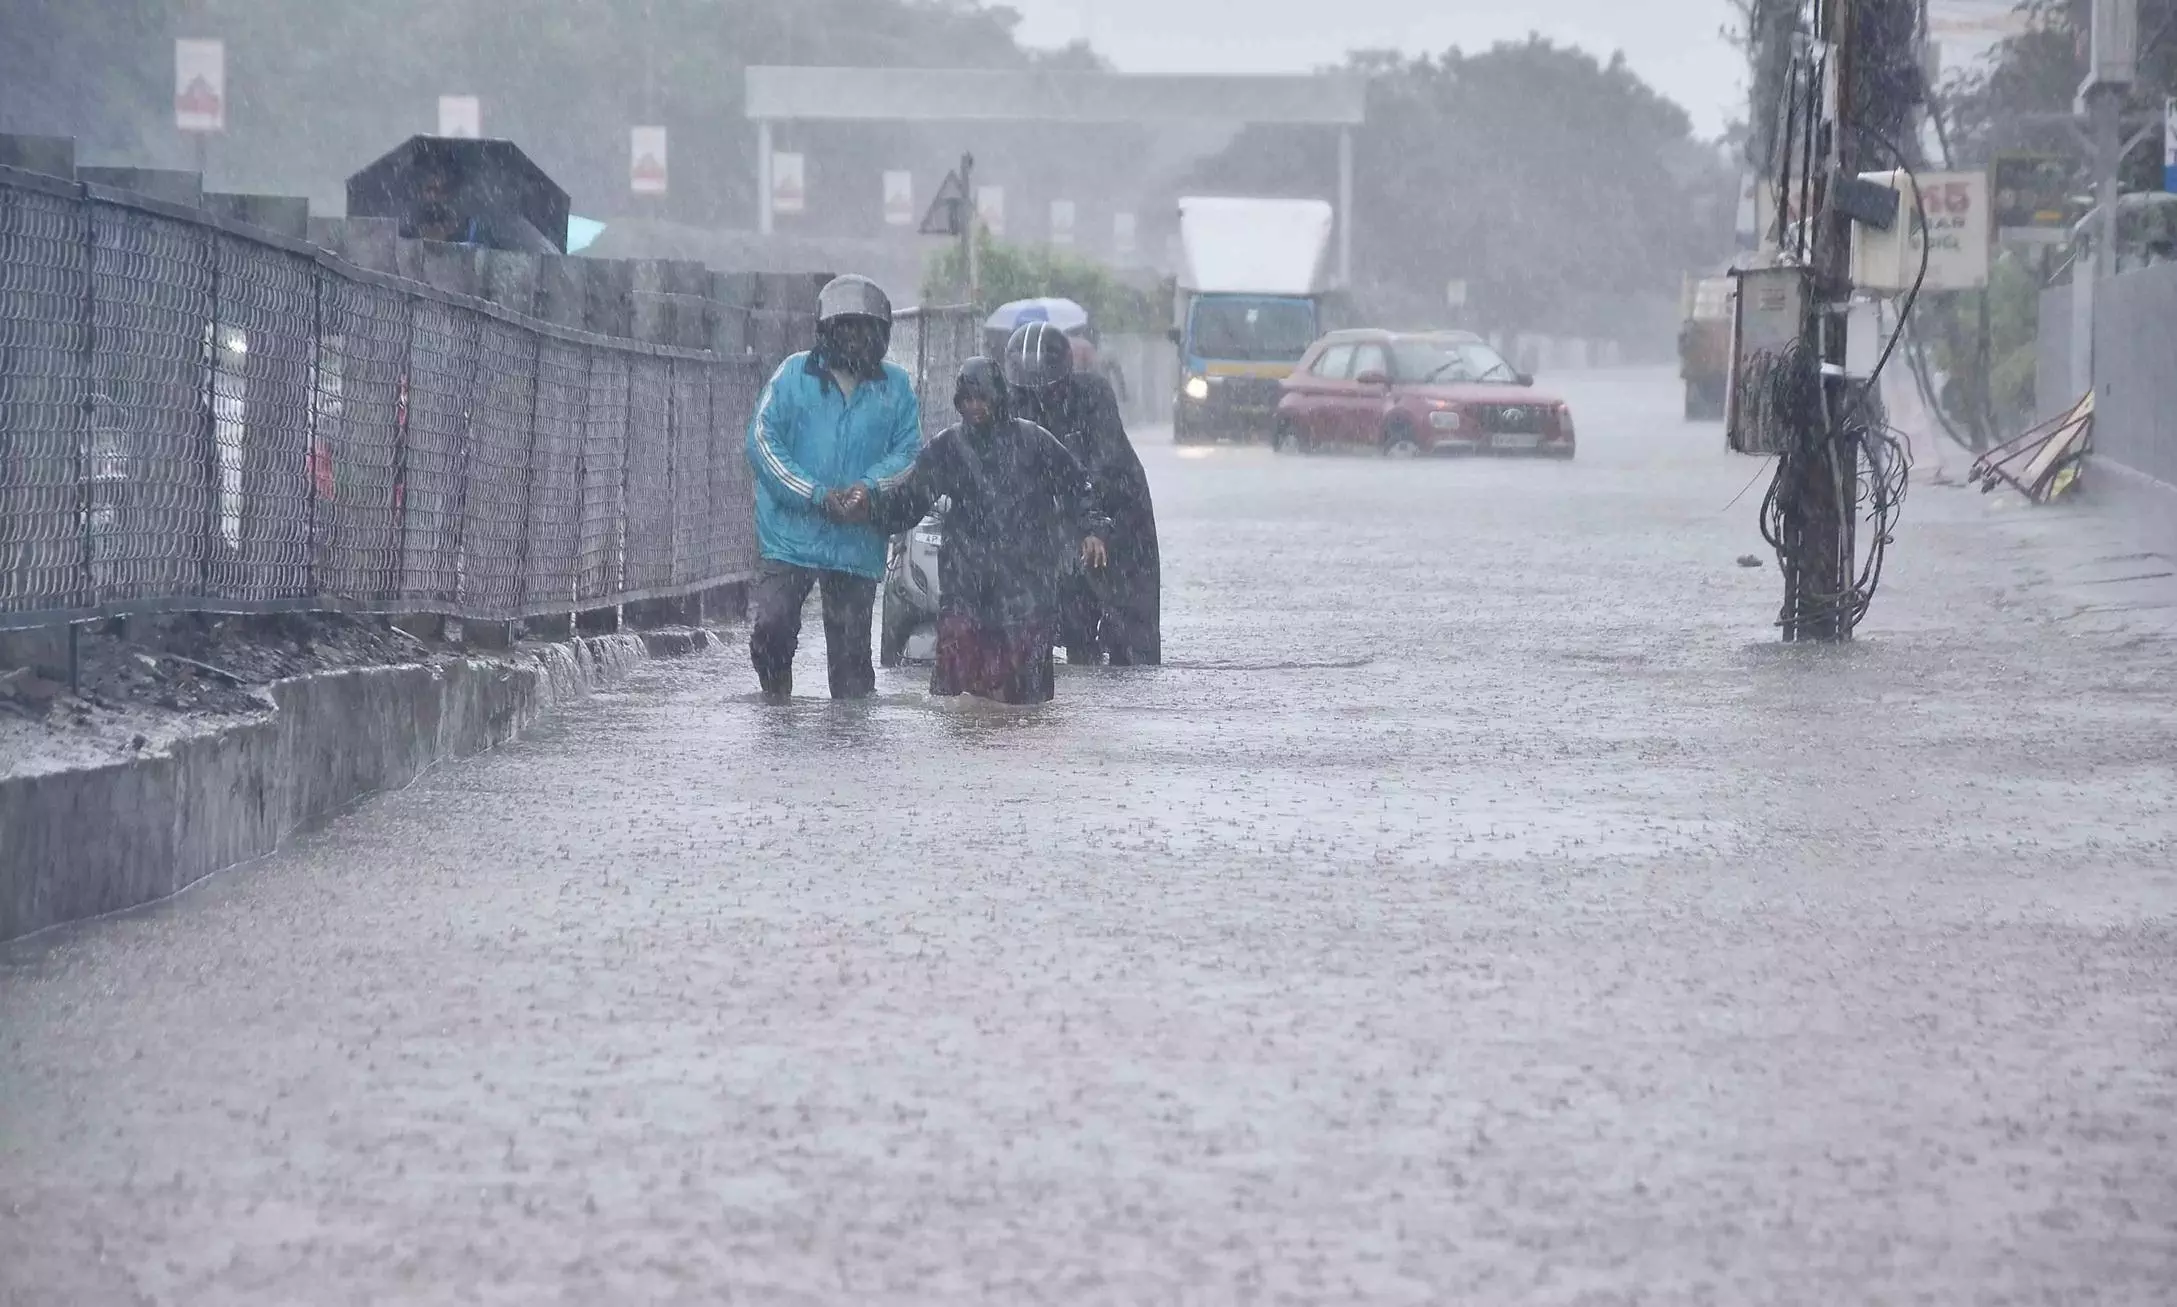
(1838, 460)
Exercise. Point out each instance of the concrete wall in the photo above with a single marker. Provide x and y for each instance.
(2053, 391)
(81, 843)
(2135, 372)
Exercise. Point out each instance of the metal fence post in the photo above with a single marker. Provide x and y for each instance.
(213, 486)
(85, 503)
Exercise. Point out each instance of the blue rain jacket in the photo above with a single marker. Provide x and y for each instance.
(809, 439)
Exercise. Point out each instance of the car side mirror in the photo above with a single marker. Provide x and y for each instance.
(1373, 377)
(1526, 378)
(1175, 335)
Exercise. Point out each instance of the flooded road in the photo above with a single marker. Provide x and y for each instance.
(1481, 908)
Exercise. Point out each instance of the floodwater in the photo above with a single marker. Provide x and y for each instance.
(1482, 908)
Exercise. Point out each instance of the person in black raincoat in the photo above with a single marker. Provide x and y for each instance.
(1113, 615)
(1021, 510)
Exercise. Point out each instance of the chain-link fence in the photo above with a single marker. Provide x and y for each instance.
(192, 418)
(932, 343)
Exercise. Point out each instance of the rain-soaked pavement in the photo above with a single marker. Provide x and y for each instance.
(1481, 909)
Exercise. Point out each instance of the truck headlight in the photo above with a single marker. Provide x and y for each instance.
(1198, 388)
(1445, 419)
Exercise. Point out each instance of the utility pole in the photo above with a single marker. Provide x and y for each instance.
(1823, 508)
(2113, 66)
(971, 244)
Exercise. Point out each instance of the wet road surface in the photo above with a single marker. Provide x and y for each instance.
(1482, 909)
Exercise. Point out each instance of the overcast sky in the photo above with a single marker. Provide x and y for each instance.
(1674, 44)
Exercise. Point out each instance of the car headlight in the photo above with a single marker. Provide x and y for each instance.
(1446, 419)
(1198, 388)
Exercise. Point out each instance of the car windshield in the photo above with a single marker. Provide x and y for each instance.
(1450, 361)
(1254, 331)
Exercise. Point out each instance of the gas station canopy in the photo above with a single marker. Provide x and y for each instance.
(780, 94)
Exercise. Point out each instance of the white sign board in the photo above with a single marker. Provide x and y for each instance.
(899, 199)
(1959, 231)
(1455, 293)
(460, 116)
(1062, 222)
(1125, 237)
(1957, 236)
(789, 183)
(2169, 145)
(646, 167)
(200, 86)
(990, 207)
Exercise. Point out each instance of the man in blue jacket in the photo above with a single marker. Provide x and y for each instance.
(832, 423)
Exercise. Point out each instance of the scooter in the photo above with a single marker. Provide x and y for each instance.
(909, 631)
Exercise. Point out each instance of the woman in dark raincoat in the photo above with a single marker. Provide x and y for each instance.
(1021, 509)
(1114, 615)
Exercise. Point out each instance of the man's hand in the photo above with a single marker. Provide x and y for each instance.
(1094, 554)
(849, 505)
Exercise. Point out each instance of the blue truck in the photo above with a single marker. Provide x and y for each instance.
(1251, 297)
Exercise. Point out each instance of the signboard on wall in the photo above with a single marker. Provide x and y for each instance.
(646, 169)
(460, 116)
(1062, 215)
(2033, 193)
(899, 199)
(1959, 230)
(789, 183)
(1125, 237)
(200, 86)
(990, 207)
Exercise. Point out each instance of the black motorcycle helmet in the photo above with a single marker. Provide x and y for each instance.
(979, 379)
(1038, 358)
(853, 326)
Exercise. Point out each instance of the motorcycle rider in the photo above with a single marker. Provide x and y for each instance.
(1020, 506)
(832, 423)
(1113, 615)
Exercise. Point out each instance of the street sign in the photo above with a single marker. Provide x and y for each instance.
(947, 215)
(1125, 238)
(461, 116)
(200, 86)
(899, 199)
(2169, 145)
(990, 207)
(2033, 191)
(789, 183)
(646, 170)
(1455, 293)
(1062, 215)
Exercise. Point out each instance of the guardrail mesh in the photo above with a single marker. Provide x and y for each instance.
(932, 343)
(191, 418)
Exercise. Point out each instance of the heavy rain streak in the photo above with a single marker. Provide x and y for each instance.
(1087, 651)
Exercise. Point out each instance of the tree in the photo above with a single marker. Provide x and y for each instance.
(1018, 272)
(1551, 182)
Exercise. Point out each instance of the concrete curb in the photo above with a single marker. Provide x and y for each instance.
(83, 843)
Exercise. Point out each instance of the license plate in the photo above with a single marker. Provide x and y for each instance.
(1515, 440)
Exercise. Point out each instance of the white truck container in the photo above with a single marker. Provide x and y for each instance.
(1252, 281)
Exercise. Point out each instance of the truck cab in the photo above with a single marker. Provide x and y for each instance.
(1234, 352)
(1251, 300)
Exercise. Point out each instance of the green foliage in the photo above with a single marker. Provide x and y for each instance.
(1017, 272)
(1549, 181)
(1986, 392)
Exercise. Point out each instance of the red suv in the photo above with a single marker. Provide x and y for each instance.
(1409, 393)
